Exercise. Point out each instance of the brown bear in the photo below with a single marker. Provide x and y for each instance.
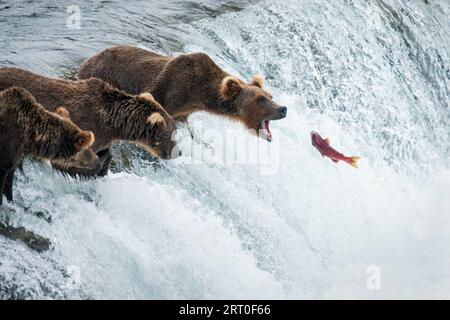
(110, 113)
(185, 84)
(27, 129)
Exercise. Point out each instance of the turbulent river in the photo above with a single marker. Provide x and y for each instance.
(374, 76)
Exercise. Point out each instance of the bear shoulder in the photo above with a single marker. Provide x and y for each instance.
(197, 58)
(187, 66)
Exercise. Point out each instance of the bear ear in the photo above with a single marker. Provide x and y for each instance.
(257, 81)
(84, 140)
(230, 88)
(156, 119)
(62, 112)
(147, 96)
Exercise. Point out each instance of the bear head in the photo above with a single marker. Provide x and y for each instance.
(251, 104)
(158, 129)
(83, 156)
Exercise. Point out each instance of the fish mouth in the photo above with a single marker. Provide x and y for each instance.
(264, 130)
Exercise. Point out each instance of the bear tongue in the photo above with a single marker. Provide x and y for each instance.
(267, 130)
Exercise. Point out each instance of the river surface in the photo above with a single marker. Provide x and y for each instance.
(374, 76)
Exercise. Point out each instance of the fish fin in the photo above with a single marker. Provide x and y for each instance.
(334, 160)
(327, 140)
(354, 161)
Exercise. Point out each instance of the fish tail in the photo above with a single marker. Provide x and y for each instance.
(354, 161)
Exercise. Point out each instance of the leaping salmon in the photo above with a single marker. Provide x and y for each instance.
(323, 145)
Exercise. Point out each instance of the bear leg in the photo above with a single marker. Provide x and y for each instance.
(2, 184)
(8, 188)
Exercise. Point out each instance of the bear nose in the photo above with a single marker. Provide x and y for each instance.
(176, 152)
(282, 110)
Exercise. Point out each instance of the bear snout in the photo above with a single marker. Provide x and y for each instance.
(175, 153)
(277, 113)
(282, 111)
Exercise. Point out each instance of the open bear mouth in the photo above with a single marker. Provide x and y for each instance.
(266, 130)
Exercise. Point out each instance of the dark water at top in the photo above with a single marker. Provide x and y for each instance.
(40, 36)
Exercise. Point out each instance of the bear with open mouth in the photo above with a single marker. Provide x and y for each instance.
(186, 84)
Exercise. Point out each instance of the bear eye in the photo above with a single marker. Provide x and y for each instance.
(157, 143)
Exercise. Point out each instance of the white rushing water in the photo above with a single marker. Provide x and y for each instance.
(374, 76)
